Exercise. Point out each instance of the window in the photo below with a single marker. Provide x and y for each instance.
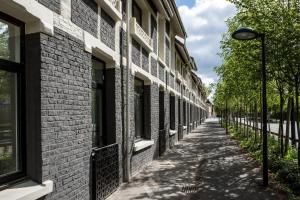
(12, 135)
(98, 123)
(184, 113)
(139, 108)
(172, 112)
(168, 28)
(137, 13)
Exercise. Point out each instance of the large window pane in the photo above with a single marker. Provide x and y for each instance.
(9, 148)
(99, 139)
(139, 108)
(9, 41)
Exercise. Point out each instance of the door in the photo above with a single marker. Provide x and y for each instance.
(105, 158)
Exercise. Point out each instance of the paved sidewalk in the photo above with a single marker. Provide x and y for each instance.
(205, 165)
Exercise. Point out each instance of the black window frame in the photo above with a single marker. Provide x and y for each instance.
(102, 87)
(19, 70)
(143, 134)
(139, 20)
(172, 112)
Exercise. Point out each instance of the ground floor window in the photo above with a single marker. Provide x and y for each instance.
(12, 135)
(139, 108)
(98, 102)
(172, 112)
(184, 113)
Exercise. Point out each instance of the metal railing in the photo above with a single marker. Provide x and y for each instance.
(105, 171)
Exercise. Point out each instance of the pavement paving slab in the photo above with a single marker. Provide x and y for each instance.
(206, 165)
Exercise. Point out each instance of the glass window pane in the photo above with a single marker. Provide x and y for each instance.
(99, 139)
(138, 108)
(9, 41)
(9, 149)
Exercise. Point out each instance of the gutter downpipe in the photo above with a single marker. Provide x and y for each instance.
(127, 146)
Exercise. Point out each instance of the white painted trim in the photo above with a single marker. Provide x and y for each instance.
(143, 144)
(27, 190)
(140, 35)
(110, 9)
(98, 48)
(37, 17)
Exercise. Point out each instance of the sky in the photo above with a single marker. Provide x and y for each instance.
(204, 21)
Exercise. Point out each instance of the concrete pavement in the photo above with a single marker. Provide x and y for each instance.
(206, 165)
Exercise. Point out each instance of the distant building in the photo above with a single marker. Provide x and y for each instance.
(210, 109)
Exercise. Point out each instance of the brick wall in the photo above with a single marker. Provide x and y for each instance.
(145, 60)
(66, 115)
(53, 5)
(84, 14)
(107, 30)
(153, 67)
(136, 54)
(161, 72)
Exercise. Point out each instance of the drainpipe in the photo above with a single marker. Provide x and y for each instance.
(127, 132)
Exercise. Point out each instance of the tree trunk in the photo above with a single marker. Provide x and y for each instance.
(280, 134)
(293, 134)
(256, 122)
(288, 121)
(297, 119)
(226, 115)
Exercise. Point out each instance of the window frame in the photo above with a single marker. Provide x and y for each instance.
(19, 70)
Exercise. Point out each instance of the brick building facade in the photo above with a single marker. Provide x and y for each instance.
(91, 92)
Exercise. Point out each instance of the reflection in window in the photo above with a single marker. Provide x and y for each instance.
(139, 108)
(99, 139)
(9, 41)
(9, 161)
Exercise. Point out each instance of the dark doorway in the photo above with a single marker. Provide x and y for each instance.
(162, 130)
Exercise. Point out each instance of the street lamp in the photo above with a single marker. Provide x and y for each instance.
(250, 34)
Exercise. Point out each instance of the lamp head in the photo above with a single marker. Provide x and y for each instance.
(245, 34)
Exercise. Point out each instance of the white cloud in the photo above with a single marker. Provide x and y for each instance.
(205, 25)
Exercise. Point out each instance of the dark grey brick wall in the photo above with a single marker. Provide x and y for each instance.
(171, 82)
(84, 14)
(153, 67)
(53, 5)
(177, 86)
(66, 115)
(145, 60)
(107, 30)
(161, 72)
(136, 53)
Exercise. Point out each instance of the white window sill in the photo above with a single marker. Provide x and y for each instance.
(184, 127)
(172, 132)
(143, 144)
(27, 190)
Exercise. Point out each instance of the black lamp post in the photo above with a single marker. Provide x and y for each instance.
(249, 34)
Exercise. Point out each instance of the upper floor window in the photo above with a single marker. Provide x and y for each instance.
(168, 28)
(12, 135)
(137, 13)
